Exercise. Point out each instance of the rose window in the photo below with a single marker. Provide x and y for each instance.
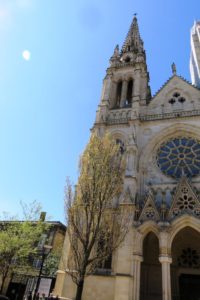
(184, 202)
(189, 258)
(150, 213)
(179, 156)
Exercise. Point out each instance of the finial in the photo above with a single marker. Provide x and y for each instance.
(115, 57)
(135, 14)
(174, 68)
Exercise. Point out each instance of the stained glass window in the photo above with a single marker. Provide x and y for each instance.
(179, 156)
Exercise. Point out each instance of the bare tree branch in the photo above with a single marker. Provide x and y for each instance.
(97, 224)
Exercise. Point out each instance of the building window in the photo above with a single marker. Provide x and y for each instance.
(118, 95)
(176, 97)
(42, 241)
(121, 145)
(179, 157)
(37, 262)
(129, 93)
(107, 264)
(127, 59)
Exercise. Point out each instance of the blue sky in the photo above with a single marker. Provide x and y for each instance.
(48, 103)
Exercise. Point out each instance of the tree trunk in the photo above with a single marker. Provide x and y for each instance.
(2, 283)
(79, 290)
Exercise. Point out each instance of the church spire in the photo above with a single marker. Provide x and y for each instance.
(133, 41)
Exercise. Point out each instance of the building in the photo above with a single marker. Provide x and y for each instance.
(160, 258)
(18, 285)
(195, 54)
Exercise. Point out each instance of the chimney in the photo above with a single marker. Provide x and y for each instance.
(42, 216)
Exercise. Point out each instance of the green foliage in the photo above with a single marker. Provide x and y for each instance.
(51, 263)
(19, 241)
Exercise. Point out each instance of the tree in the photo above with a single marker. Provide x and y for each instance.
(19, 240)
(97, 222)
(51, 262)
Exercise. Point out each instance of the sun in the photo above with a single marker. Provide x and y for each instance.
(26, 54)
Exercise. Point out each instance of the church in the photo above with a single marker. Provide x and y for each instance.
(160, 138)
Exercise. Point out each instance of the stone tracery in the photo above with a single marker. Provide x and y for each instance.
(179, 156)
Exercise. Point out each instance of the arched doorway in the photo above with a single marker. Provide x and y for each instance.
(185, 268)
(151, 275)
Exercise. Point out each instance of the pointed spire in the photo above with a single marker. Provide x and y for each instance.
(116, 56)
(116, 51)
(133, 42)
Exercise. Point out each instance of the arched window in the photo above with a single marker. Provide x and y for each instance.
(127, 59)
(185, 256)
(118, 95)
(151, 269)
(129, 93)
(121, 145)
(105, 264)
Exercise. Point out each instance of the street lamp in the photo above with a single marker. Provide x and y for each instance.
(44, 253)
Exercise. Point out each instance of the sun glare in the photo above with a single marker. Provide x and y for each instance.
(26, 55)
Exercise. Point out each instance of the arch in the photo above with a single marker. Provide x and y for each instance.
(144, 230)
(181, 223)
(119, 134)
(120, 139)
(151, 269)
(185, 267)
(127, 59)
(147, 235)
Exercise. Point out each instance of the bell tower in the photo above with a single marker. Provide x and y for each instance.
(125, 94)
(126, 84)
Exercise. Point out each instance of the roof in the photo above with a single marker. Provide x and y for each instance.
(174, 75)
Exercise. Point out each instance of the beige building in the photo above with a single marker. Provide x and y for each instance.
(160, 258)
(24, 279)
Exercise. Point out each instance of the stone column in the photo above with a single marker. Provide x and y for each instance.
(136, 88)
(124, 93)
(137, 259)
(166, 277)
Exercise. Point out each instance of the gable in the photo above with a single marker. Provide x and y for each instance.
(149, 211)
(184, 201)
(176, 95)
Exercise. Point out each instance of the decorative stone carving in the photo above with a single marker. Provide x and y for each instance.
(128, 197)
(185, 200)
(131, 155)
(189, 258)
(149, 211)
(179, 156)
(139, 58)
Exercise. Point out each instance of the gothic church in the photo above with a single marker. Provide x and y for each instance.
(160, 136)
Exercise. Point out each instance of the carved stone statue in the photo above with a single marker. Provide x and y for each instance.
(174, 68)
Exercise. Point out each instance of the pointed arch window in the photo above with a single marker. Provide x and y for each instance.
(121, 145)
(127, 59)
(118, 94)
(129, 93)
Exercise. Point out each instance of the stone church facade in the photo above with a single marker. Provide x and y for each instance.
(160, 137)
